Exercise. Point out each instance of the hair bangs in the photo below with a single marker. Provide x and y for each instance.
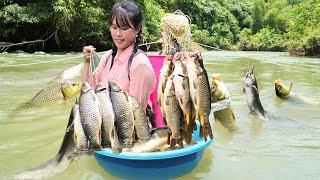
(121, 17)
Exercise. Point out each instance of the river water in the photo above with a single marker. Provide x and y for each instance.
(285, 147)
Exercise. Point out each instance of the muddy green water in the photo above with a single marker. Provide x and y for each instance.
(286, 147)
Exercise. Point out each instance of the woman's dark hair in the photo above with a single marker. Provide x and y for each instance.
(127, 13)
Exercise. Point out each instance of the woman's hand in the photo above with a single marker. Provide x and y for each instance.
(87, 51)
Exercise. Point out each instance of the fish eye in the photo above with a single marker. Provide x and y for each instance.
(213, 88)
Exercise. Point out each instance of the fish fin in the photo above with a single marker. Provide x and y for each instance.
(188, 134)
(159, 100)
(232, 115)
(180, 142)
(75, 138)
(252, 69)
(167, 101)
(169, 136)
(70, 127)
(181, 100)
(195, 100)
(115, 141)
(173, 143)
(184, 86)
(194, 84)
(290, 87)
(256, 88)
(201, 131)
(208, 130)
(163, 87)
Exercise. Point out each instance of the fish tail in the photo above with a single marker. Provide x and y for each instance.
(180, 142)
(173, 143)
(169, 135)
(208, 130)
(188, 134)
(205, 128)
(115, 143)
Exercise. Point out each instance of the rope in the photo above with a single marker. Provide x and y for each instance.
(57, 60)
(161, 41)
(28, 42)
(94, 62)
(28, 64)
(149, 43)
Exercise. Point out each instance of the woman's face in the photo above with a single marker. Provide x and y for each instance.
(123, 36)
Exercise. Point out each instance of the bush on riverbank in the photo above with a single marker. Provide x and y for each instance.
(229, 24)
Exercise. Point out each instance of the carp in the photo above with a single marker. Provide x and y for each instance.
(165, 72)
(90, 116)
(108, 132)
(252, 95)
(220, 92)
(124, 119)
(200, 92)
(80, 138)
(281, 90)
(182, 91)
(173, 114)
(141, 124)
(285, 93)
(55, 93)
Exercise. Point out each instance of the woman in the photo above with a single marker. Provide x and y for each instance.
(124, 63)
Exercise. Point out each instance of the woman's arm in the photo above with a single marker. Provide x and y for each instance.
(87, 52)
(142, 80)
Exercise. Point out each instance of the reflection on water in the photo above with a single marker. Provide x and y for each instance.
(285, 147)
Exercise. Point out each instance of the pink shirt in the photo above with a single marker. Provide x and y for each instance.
(142, 77)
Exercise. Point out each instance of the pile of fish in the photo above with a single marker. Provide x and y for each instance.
(100, 119)
(108, 117)
(184, 96)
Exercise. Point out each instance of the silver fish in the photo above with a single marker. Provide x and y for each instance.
(252, 95)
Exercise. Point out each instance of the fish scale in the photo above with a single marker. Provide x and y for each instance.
(107, 115)
(79, 135)
(140, 120)
(200, 93)
(56, 92)
(165, 72)
(182, 91)
(173, 114)
(124, 118)
(90, 116)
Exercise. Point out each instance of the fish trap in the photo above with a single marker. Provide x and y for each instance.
(177, 32)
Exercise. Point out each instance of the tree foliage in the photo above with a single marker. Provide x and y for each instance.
(272, 25)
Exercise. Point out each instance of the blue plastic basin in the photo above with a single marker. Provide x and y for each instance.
(153, 165)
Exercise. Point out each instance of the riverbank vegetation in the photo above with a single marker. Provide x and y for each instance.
(264, 25)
